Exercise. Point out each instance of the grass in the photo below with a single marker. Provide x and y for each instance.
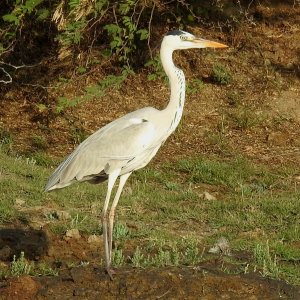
(164, 221)
(21, 266)
(220, 74)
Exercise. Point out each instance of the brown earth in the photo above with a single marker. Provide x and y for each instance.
(169, 283)
(90, 281)
(256, 115)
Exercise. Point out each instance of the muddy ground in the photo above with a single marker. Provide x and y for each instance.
(264, 59)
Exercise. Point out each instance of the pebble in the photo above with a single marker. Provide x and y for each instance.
(208, 196)
(94, 239)
(73, 234)
(63, 215)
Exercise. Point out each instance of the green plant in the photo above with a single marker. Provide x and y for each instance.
(122, 37)
(265, 260)
(6, 140)
(94, 91)
(233, 98)
(6, 137)
(63, 103)
(120, 231)
(191, 253)
(156, 69)
(42, 269)
(245, 118)
(79, 135)
(20, 266)
(40, 158)
(73, 33)
(138, 258)
(162, 258)
(193, 86)
(118, 258)
(220, 74)
(39, 142)
(3, 273)
(78, 220)
(15, 20)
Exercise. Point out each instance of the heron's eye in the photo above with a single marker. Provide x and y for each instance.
(183, 37)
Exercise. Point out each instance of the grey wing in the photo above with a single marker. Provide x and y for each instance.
(111, 147)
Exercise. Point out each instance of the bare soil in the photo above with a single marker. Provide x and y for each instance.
(257, 115)
(204, 281)
(169, 283)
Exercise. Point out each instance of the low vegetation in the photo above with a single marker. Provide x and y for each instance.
(166, 217)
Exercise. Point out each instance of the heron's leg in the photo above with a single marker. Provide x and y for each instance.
(111, 181)
(122, 182)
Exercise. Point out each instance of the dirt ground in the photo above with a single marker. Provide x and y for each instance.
(170, 283)
(91, 282)
(265, 61)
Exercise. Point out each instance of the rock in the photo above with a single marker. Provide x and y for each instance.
(63, 215)
(73, 234)
(19, 202)
(37, 224)
(221, 247)
(94, 239)
(208, 196)
(5, 253)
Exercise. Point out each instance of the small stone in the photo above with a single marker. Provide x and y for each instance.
(19, 202)
(63, 215)
(221, 247)
(37, 224)
(208, 196)
(94, 239)
(73, 234)
(5, 252)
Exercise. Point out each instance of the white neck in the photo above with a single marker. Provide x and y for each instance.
(177, 84)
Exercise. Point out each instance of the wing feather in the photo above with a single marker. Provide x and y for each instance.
(108, 148)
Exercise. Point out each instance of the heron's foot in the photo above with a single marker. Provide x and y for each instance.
(111, 272)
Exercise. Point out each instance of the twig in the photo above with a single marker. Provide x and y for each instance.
(115, 17)
(149, 30)
(17, 67)
(14, 67)
(164, 294)
(39, 85)
(139, 16)
(8, 75)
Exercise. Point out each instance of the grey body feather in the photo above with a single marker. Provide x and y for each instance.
(128, 143)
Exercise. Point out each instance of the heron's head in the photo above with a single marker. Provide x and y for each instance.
(179, 39)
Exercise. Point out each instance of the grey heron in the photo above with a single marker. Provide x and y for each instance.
(129, 142)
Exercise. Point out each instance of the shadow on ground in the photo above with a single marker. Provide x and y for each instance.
(34, 243)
